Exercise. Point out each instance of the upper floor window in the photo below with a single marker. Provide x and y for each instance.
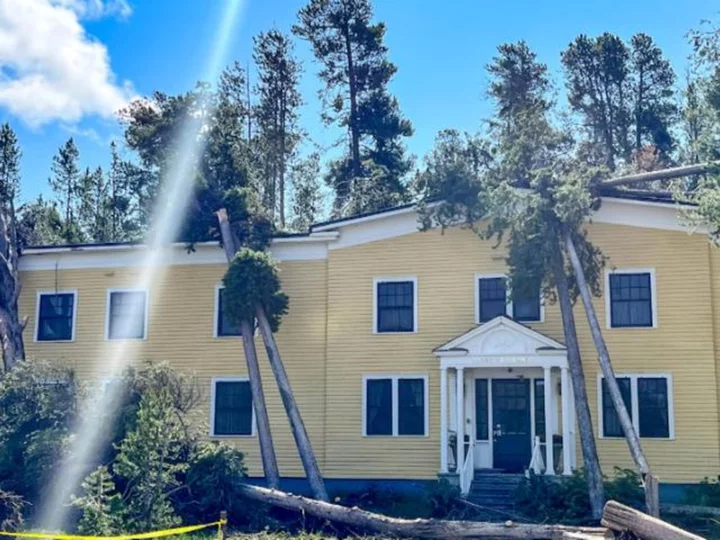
(56, 316)
(395, 405)
(492, 301)
(127, 314)
(648, 399)
(232, 410)
(223, 326)
(395, 305)
(630, 301)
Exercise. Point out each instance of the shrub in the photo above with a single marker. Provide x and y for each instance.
(442, 498)
(565, 499)
(706, 493)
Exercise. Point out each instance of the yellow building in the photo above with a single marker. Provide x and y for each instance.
(399, 343)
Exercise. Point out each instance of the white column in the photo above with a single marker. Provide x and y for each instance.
(549, 415)
(566, 420)
(460, 418)
(443, 421)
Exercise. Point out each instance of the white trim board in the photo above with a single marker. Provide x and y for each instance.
(145, 315)
(394, 378)
(395, 279)
(211, 431)
(635, 403)
(48, 292)
(653, 298)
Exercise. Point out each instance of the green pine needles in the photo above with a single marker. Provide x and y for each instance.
(253, 280)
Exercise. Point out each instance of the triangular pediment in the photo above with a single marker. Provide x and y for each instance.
(500, 336)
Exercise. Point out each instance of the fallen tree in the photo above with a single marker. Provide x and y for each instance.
(418, 528)
(621, 518)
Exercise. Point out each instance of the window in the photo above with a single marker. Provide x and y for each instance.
(223, 327)
(395, 405)
(539, 389)
(611, 421)
(56, 316)
(492, 298)
(482, 422)
(492, 301)
(396, 305)
(232, 411)
(630, 301)
(127, 314)
(648, 398)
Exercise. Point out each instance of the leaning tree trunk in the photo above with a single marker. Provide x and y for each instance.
(262, 421)
(631, 436)
(593, 473)
(307, 455)
(11, 326)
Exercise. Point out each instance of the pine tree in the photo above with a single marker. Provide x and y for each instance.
(65, 181)
(101, 505)
(276, 114)
(40, 224)
(306, 193)
(94, 205)
(11, 327)
(356, 73)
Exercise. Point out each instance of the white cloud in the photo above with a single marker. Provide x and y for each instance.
(97, 9)
(50, 68)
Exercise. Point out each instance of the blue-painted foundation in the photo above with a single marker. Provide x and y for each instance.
(669, 493)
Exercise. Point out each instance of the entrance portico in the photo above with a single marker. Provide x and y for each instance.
(506, 394)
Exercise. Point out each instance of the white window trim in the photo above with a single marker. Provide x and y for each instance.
(216, 315)
(107, 314)
(395, 279)
(213, 385)
(635, 404)
(395, 409)
(653, 298)
(37, 314)
(508, 295)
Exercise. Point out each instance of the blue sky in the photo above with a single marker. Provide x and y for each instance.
(64, 77)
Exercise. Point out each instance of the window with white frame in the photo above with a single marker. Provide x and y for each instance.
(395, 305)
(648, 399)
(232, 410)
(631, 299)
(126, 314)
(223, 326)
(395, 405)
(492, 301)
(56, 316)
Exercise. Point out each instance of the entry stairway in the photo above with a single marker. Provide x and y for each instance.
(494, 490)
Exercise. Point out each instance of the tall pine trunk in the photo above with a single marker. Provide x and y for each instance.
(307, 455)
(11, 327)
(593, 473)
(262, 421)
(631, 435)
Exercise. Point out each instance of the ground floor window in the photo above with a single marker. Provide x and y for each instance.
(232, 411)
(395, 405)
(648, 398)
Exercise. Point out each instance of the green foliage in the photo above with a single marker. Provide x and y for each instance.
(11, 511)
(9, 165)
(356, 72)
(565, 499)
(253, 280)
(39, 223)
(102, 508)
(37, 406)
(706, 493)
(307, 196)
(213, 479)
(443, 499)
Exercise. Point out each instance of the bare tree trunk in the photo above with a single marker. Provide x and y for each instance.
(593, 473)
(621, 518)
(267, 449)
(631, 436)
(416, 528)
(11, 327)
(664, 174)
(307, 455)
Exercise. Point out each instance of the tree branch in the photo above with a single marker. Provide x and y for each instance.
(664, 174)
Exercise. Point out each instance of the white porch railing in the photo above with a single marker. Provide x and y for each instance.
(467, 473)
(537, 465)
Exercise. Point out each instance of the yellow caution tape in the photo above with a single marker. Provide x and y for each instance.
(139, 536)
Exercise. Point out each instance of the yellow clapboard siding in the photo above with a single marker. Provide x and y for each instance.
(328, 344)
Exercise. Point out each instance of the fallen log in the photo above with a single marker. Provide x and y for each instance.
(417, 528)
(621, 518)
(690, 510)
